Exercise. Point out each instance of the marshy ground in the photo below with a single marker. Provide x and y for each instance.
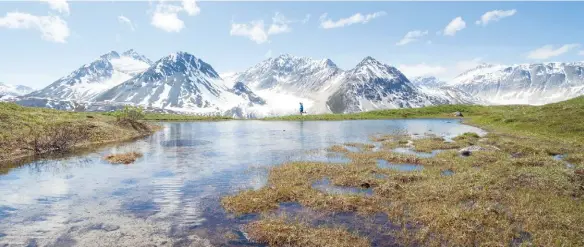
(507, 188)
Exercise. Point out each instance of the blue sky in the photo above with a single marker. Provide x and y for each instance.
(45, 40)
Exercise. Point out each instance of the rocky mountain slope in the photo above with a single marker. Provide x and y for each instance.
(9, 91)
(180, 81)
(88, 81)
(534, 84)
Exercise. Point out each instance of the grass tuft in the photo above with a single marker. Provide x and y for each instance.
(123, 158)
(278, 232)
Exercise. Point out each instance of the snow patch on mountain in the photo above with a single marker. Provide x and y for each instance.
(181, 82)
(13, 90)
(88, 81)
(533, 84)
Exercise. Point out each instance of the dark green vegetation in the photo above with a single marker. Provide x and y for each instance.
(26, 131)
(511, 192)
(137, 113)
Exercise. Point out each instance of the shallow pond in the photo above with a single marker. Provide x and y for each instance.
(171, 195)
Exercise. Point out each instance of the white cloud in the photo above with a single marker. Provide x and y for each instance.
(306, 19)
(581, 53)
(191, 7)
(356, 18)
(279, 24)
(52, 28)
(421, 69)
(268, 54)
(59, 5)
(454, 26)
(412, 36)
(165, 16)
(548, 51)
(127, 21)
(495, 15)
(256, 30)
(465, 65)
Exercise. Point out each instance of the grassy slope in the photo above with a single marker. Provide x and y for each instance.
(563, 120)
(18, 123)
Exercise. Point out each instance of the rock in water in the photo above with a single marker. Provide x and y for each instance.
(458, 114)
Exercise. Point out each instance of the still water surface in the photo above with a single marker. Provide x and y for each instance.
(170, 197)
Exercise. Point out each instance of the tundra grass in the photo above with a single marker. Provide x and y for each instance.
(24, 129)
(493, 197)
(279, 232)
(182, 117)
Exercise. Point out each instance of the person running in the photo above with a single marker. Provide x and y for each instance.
(301, 108)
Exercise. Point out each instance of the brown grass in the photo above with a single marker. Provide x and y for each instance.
(278, 232)
(123, 158)
(493, 198)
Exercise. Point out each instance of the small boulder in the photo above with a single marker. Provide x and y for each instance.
(458, 114)
(365, 185)
(467, 151)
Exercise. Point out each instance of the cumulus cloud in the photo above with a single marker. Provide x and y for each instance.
(254, 30)
(465, 65)
(126, 21)
(354, 19)
(454, 26)
(495, 15)
(581, 53)
(412, 36)
(52, 28)
(165, 16)
(422, 69)
(279, 24)
(59, 5)
(258, 32)
(549, 51)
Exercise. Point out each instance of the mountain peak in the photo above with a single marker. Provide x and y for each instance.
(135, 55)
(183, 62)
(368, 60)
(110, 55)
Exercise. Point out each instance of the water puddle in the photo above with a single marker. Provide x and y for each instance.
(447, 172)
(409, 151)
(560, 157)
(400, 167)
(322, 156)
(324, 185)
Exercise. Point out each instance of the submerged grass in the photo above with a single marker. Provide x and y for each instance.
(27, 131)
(123, 158)
(512, 192)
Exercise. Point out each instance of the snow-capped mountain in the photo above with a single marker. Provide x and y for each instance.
(427, 81)
(14, 90)
(524, 83)
(180, 81)
(85, 83)
(373, 85)
(290, 74)
(438, 88)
